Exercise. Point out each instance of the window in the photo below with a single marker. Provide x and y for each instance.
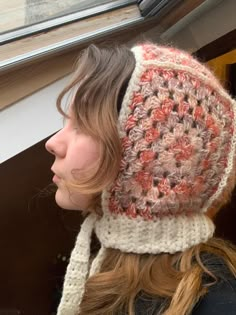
(20, 18)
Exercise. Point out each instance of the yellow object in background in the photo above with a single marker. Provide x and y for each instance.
(220, 65)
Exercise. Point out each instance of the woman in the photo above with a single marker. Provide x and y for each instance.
(148, 154)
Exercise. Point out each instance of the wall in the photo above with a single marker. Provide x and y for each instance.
(29, 120)
(209, 21)
(205, 27)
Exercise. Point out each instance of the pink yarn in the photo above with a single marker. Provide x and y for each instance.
(177, 138)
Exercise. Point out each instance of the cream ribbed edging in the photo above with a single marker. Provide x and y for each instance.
(166, 235)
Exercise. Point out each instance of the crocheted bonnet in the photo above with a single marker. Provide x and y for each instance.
(177, 127)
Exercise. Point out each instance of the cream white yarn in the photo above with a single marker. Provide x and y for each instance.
(77, 270)
(166, 235)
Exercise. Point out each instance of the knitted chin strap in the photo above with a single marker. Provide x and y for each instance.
(177, 127)
(77, 270)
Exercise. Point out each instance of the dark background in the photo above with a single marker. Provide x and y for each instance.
(36, 236)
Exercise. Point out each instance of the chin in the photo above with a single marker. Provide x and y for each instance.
(65, 201)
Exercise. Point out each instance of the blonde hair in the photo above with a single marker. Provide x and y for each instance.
(176, 278)
(100, 80)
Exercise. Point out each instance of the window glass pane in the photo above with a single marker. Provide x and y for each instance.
(15, 14)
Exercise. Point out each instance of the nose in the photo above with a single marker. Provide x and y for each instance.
(49, 147)
(56, 145)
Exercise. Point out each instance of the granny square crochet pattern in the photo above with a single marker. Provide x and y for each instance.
(177, 127)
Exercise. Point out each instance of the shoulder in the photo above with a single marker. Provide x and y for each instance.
(221, 296)
(220, 299)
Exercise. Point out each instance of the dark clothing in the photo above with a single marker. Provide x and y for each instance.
(220, 299)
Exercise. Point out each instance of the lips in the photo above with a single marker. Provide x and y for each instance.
(56, 179)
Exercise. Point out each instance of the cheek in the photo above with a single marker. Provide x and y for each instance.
(80, 158)
(83, 158)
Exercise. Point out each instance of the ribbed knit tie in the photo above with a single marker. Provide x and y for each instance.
(78, 269)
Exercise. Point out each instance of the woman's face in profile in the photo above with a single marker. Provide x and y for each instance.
(74, 152)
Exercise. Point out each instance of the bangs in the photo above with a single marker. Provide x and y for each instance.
(95, 95)
(97, 89)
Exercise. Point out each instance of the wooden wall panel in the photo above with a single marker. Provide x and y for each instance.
(34, 232)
